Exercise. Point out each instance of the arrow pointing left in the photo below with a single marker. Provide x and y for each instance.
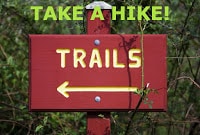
(63, 89)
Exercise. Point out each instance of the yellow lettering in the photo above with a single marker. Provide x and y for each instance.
(95, 58)
(62, 55)
(136, 59)
(79, 58)
(107, 58)
(115, 60)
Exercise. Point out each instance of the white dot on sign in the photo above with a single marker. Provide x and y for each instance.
(97, 42)
(97, 99)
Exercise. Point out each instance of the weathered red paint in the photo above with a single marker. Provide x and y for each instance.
(98, 26)
(97, 125)
(46, 73)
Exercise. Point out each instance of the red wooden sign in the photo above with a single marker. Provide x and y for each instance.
(96, 72)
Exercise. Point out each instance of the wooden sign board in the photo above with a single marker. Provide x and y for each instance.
(96, 72)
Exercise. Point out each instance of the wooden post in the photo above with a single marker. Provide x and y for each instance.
(98, 123)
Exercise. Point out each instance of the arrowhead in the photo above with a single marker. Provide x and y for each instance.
(62, 89)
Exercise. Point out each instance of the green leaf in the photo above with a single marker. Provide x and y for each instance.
(39, 128)
(45, 120)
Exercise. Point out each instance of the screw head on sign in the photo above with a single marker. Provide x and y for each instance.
(97, 42)
(97, 99)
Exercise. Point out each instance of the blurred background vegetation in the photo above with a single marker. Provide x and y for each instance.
(183, 60)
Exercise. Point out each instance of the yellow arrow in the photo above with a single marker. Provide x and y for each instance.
(63, 89)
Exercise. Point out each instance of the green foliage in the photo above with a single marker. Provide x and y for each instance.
(183, 30)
